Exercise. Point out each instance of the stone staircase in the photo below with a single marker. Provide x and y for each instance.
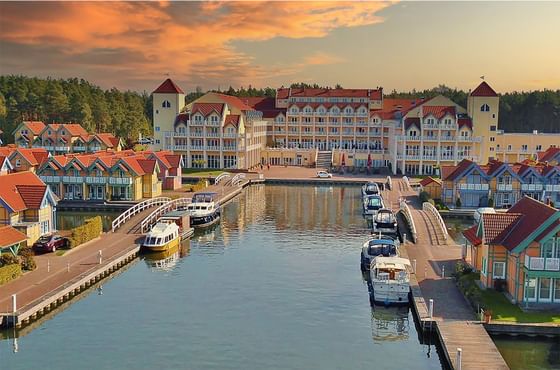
(324, 159)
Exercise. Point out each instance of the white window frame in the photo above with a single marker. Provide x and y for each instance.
(503, 276)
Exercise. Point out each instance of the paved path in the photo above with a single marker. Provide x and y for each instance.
(456, 322)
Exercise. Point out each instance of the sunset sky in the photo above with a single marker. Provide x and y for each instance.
(397, 45)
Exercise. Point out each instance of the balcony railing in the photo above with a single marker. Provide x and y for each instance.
(473, 187)
(79, 148)
(531, 187)
(505, 187)
(542, 264)
(72, 179)
(120, 180)
(50, 179)
(553, 188)
(62, 148)
(96, 180)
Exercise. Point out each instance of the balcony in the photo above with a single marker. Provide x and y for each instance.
(233, 135)
(542, 264)
(532, 187)
(196, 134)
(505, 187)
(469, 139)
(229, 148)
(179, 147)
(96, 180)
(478, 187)
(120, 180)
(72, 179)
(79, 148)
(362, 134)
(212, 123)
(213, 134)
(62, 148)
(50, 179)
(554, 188)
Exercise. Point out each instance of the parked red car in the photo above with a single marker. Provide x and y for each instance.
(49, 243)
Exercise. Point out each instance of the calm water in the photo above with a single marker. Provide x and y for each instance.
(528, 353)
(276, 285)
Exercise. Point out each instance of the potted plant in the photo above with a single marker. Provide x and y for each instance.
(487, 316)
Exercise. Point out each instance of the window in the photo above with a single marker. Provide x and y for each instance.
(509, 148)
(158, 141)
(18, 162)
(524, 147)
(485, 108)
(493, 128)
(484, 263)
(491, 148)
(492, 138)
(499, 270)
(166, 104)
(157, 128)
(538, 148)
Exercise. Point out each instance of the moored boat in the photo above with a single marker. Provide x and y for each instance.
(370, 188)
(182, 219)
(203, 210)
(377, 246)
(390, 280)
(163, 236)
(385, 222)
(372, 204)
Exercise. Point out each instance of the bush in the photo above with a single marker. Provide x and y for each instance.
(490, 202)
(8, 259)
(200, 185)
(424, 196)
(9, 272)
(26, 259)
(91, 229)
(458, 203)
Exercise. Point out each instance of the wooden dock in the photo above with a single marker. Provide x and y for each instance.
(452, 319)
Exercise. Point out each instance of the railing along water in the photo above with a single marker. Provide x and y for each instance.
(428, 207)
(137, 208)
(407, 182)
(408, 216)
(221, 177)
(389, 183)
(237, 179)
(172, 205)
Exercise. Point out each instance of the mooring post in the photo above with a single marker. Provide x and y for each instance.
(425, 271)
(68, 267)
(414, 266)
(100, 257)
(48, 265)
(14, 304)
(431, 308)
(443, 272)
(404, 238)
(459, 355)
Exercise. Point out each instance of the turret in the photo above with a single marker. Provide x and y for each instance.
(168, 100)
(483, 105)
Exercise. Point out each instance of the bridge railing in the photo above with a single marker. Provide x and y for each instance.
(153, 217)
(409, 220)
(137, 208)
(389, 183)
(428, 207)
(237, 179)
(221, 177)
(407, 182)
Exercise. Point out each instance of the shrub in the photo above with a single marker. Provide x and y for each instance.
(91, 229)
(490, 202)
(424, 196)
(9, 272)
(26, 259)
(458, 203)
(8, 259)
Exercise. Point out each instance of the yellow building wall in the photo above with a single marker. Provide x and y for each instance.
(136, 188)
(516, 141)
(482, 122)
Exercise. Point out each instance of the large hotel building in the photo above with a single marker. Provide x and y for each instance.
(354, 128)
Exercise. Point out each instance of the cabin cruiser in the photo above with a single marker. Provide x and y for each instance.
(203, 210)
(163, 236)
(182, 219)
(379, 246)
(371, 188)
(385, 222)
(390, 280)
(372, 204)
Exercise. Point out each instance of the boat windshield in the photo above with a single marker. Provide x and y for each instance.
(384, 217)
(374, 203)
(377, 249)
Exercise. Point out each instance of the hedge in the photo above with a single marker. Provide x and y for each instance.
(9, 272)
(91, 229)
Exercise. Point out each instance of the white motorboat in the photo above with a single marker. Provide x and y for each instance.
(385, 222)
(390, 280)
(372, 204)
(163, 236)
(371, 188)
(203, 210)
(378, 246)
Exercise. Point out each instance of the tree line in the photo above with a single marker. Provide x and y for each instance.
(128, 113)
(123, 113)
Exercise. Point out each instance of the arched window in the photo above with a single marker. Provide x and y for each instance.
(485, 108)
(166, 104)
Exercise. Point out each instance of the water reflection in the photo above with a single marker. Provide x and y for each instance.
(389, 323)
(66, 220)
(167, 260)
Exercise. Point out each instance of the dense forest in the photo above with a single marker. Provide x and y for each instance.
(129, 113)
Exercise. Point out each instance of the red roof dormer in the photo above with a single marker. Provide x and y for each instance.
(168, 87)
(483, 90)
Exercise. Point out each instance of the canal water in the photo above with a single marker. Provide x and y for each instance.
(277, 285)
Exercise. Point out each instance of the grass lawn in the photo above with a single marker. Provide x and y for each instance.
(198, 172)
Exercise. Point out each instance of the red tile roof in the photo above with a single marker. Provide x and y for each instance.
(493, 166)
(20, 190)
(148, 165)
(497, 226)
(535, 214)
(438, 111)
(470, 235)
(232, 119)
(372, 94)
(34, 156)
(456, 170)
(548, 230)
(75, 129)
(409, 121)
(233, 101)
(464, 121)
(168, 87)
(10, 236)
(428, 180)
(108, 139)
(265, 105)
(35, 126)
(549, 154)
(206, 108)
(483, 90)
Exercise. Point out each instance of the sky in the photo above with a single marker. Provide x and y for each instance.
(395, 45)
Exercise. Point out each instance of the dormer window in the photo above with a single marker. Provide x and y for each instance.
(485, 108)
(62, 132)
(308, 110)
(214, 119)
(166, 104)
(294, 110)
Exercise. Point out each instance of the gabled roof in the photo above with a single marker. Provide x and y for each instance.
(232, 119)
(22, 190)
(10, 236)
(265, 105)
(34, 156)
(207, 108)
(458, 170)
(233, 101)
(108, 139)
(483, 90)
(438, 111)
(168, 87)
(411, 121)
(470, 235)
(147, 165)
(428, 180)
(75, 129)
(464, 122)
(35, 126)
(497, 226)
(549, 154)
(373, 94)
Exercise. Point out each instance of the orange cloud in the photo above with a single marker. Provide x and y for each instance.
(144, 40)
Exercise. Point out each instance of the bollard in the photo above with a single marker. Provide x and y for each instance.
(48, 265)
(404, 238)
(414, 266)
(16, 345)
(14, 303)
(443, 272)
(431, 308)
(68, 267)
(425, 271)
(458, 362)
(100, 257)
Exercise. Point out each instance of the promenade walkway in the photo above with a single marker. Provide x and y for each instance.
(435, 260)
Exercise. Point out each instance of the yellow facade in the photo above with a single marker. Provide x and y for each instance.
(516, 147)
